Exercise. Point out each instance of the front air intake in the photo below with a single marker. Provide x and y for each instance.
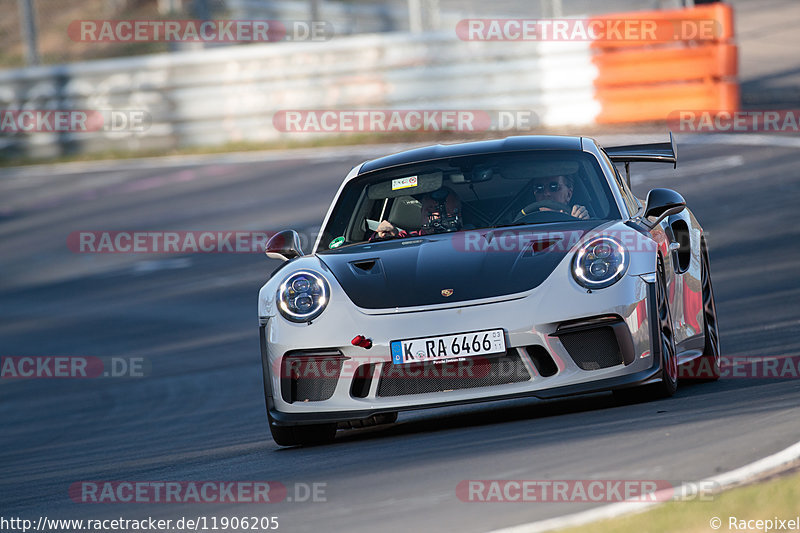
(593, 349)
(597, 342)
(310, 376)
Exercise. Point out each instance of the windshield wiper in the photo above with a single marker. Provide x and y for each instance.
(520, 223)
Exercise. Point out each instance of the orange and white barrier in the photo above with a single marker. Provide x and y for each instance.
(687, 60)
(501, 75)
(625, 67)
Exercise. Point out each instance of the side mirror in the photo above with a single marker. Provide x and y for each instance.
(284, 245)
(662, 203)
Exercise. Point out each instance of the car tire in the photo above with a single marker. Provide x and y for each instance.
(669, 366)
(307, 435)
(669, 359)
(709, 368)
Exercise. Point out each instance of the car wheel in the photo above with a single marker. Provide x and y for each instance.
(710, 362)
(669, 362)
(669, 359)
(308, 435)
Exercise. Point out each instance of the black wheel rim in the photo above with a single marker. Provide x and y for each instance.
(710, 327)
(665, 321)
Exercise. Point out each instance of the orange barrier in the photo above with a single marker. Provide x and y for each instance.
(709, 61)
(709, 22)
(657, 102)
(679, 59)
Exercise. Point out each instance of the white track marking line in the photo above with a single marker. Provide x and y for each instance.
(741, 139)
(725, 480)
(356, 152)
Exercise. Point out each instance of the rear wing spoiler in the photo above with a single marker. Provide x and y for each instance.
(666, 152)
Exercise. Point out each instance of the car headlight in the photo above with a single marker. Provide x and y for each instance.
(303, 296)
(600, 263)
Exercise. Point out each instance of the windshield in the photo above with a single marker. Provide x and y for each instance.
(470, 192)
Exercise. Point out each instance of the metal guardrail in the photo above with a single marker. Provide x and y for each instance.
(216, 96)
(346, 18)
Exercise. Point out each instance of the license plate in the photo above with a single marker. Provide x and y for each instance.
(448, 347)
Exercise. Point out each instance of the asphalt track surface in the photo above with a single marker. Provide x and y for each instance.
(199, 414)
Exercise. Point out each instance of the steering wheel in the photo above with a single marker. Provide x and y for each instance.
(535, 208)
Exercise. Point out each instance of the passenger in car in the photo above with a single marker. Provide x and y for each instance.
(433, 219)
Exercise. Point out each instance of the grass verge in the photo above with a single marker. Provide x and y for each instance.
(776, 498)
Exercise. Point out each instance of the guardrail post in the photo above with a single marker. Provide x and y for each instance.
(28, 23)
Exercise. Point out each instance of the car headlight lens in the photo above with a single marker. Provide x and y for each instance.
(303, 296)
(600, 263)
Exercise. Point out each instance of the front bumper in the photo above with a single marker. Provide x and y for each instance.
(533, 321)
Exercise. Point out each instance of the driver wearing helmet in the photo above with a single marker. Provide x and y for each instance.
(557, 192)
(441, 212)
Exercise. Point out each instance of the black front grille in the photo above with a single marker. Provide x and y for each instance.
(468, 373)
(593, 349)
(310, 376)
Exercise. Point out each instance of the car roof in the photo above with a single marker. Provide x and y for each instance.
(442, 151)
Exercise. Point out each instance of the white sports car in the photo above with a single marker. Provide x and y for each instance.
(482, 271)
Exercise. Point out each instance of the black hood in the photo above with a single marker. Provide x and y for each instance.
(472, 264)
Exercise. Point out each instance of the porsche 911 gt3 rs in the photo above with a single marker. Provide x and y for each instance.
(480, 271)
